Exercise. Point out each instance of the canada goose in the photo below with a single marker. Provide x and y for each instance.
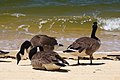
(48, 60)
(86, 45)
(48, 43)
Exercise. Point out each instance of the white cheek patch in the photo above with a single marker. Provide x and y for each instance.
(28, 50)
(21, 56)
(38, 49)
(25, 56)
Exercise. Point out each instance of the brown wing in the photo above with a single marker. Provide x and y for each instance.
(90, 44)
(41, 58)
(48, 57)
(43, 40)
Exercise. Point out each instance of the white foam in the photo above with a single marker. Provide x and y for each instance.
(24, 27)
(41, 23)
(18, 14)
(109, 24)
(51, 25)
(63, 29)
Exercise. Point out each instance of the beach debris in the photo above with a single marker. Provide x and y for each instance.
(12, 57)
(106, 58)
(97, 70)
(115, 56)
(3, 52)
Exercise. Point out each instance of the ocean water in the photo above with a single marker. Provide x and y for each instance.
(66, 20)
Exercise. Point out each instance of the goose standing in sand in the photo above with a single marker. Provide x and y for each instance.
(86, 45)
(48, 43)
(48, 60)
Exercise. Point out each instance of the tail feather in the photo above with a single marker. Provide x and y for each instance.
(68, 51)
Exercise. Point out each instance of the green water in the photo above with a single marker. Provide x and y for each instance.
(66, 20)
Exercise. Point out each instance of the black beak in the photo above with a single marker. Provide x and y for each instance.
(60, 45)
(18, 62)
(18, 58)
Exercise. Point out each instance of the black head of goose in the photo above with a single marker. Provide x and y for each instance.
(48, 43)
(85, 45)
(48, 60)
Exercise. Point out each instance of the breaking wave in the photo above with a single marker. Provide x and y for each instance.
(110, 24)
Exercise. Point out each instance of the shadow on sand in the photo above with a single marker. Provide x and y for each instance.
(60, 70)
(85, 64)
(26, 65)
(5, 61)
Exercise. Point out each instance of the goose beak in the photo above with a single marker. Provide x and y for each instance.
(60, 45)
(18, 58)
(18, 62)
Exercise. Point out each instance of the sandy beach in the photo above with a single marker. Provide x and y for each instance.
(66, 21)
(100, 70)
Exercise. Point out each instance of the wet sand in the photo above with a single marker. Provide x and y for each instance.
(101, 69)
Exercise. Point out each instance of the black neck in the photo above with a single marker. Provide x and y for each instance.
(94, 31)
(22, 51)
(34, 51)
(24, 46)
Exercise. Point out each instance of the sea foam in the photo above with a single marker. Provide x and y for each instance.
(18, 14)
(41, 23)
(109, 24)
(24, 27)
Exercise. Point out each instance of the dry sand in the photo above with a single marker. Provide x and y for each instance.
(100, 70)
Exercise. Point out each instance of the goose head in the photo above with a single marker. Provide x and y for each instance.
(24, 46)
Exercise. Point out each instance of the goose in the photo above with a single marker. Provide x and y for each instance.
(48, 43)
(85, 45)
(46, 60)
